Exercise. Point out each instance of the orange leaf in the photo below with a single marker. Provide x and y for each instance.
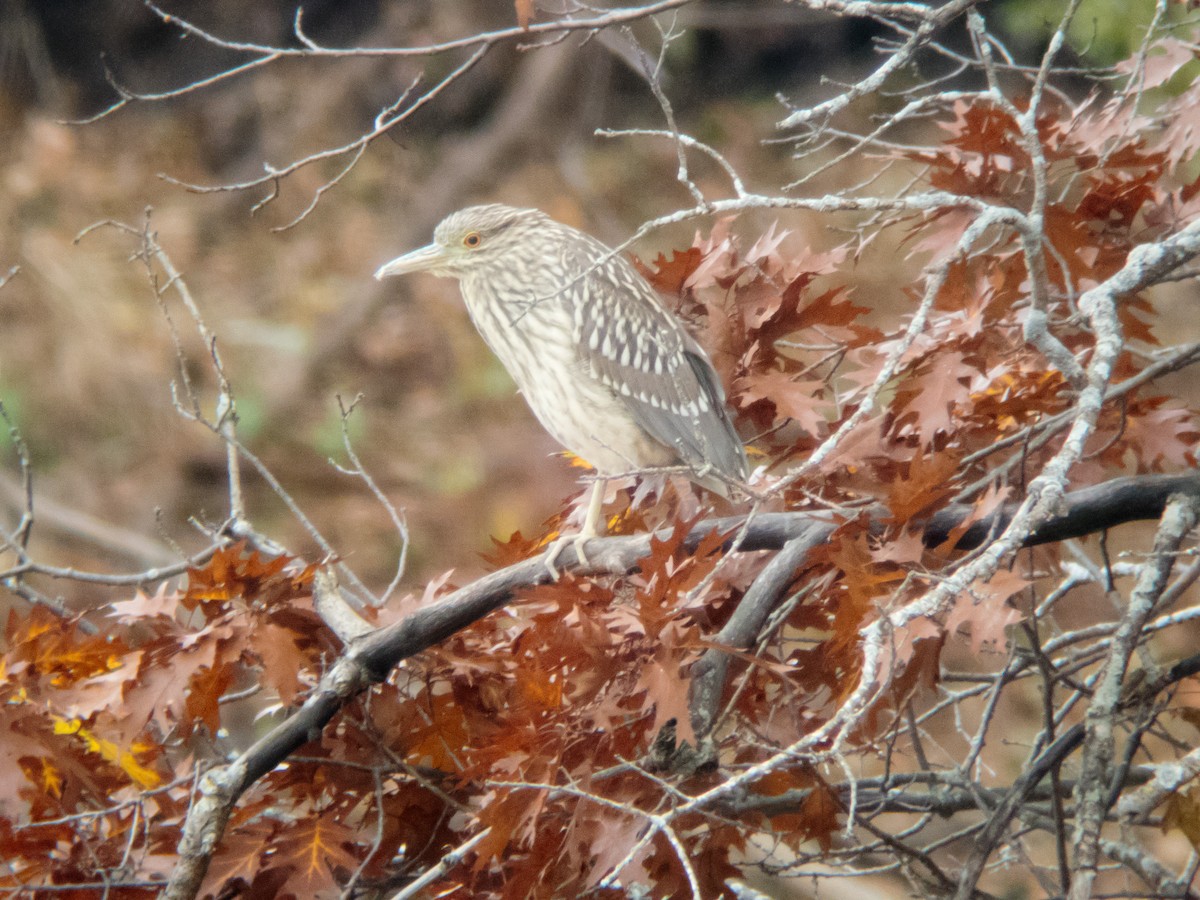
(524, 12)
(928, 482)
(204, 694)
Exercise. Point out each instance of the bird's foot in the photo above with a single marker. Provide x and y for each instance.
(556, 548)
(591, 529)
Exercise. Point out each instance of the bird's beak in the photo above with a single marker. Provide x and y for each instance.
(420, 260)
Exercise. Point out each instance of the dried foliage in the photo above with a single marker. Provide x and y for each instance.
(812, 687)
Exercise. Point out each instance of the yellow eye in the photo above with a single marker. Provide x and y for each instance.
(472, 240)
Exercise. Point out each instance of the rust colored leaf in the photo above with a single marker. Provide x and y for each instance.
(610, 836)
(831, 309)
(790, 398)
(932, 393)
(984, 612)
(1164, 437)
(442, 734)
(314, 849)
(991, 500)
(516, 549)
(232, 574)
(667, 690)
(239, 855)
(283, 661)
(863, 580)
(670, 275)
(819, 815)
(164, 674)
(204, 693)
(929, 480)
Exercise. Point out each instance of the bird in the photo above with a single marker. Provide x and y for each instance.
(605, 367)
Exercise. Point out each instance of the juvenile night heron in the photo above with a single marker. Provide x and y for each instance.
(607, 370)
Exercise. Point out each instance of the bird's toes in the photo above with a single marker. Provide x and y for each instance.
(579, 541)
(553, 552)
(560, 543)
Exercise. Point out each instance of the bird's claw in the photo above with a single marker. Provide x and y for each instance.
(556, 548)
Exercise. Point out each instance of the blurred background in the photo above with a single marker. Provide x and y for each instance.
(87, 358)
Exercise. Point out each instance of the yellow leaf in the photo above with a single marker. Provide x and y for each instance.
(51, 778)
(577, 461)
(107, 750)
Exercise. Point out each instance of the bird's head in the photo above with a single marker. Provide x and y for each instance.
(468, 241)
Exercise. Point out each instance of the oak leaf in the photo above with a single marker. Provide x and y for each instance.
(667, 690)
(928, 481)
(313, 849)
(671, 275)
(983, 609)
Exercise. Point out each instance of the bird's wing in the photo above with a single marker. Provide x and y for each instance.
(644, 355)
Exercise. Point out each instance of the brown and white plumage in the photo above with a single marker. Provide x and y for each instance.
(608, 371)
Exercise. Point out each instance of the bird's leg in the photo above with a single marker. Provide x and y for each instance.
(591, 523)
(591, 529)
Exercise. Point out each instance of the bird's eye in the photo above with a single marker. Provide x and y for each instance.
(472, 240)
